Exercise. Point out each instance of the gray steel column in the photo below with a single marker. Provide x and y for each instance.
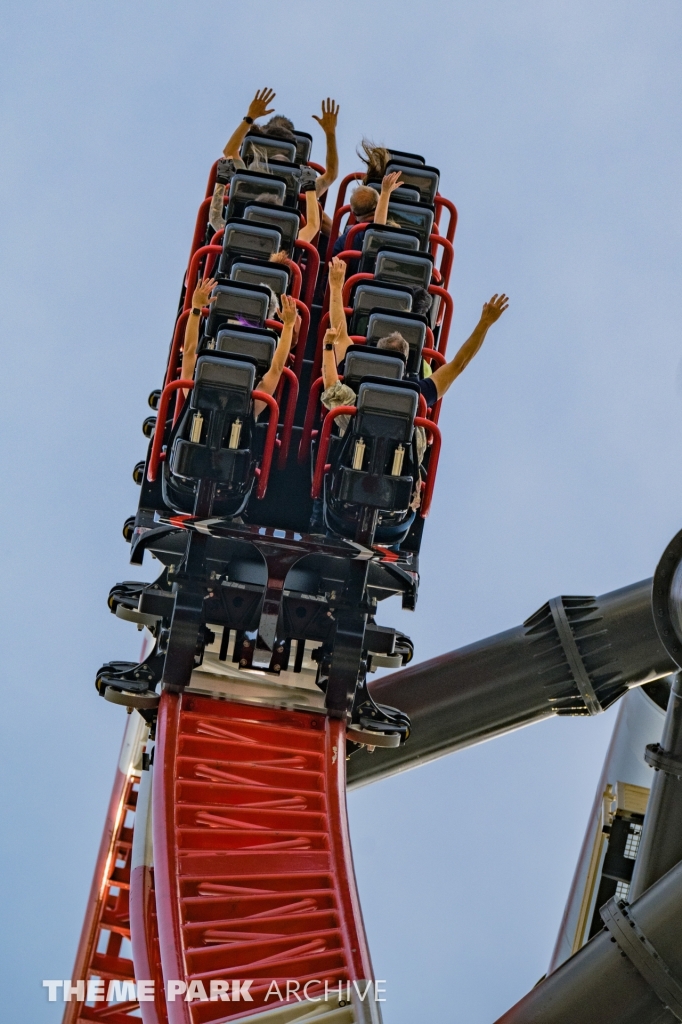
(660, 847)
(574, 656)
(627, 974)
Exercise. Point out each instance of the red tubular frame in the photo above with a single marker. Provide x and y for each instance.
(200, 226)
(316, 389)
(320, 467)
(430, 428)
(433, 353)
(351, 282)
(447, 258)
(193, 271)
(312, 269)
(339, 214)
(440, 202)
(176, 344)
(290, 377)
(299, 351)
(444, 318)
(160, 429)
(351, 410)
(268, 451)
(212, 178)
(157, 443)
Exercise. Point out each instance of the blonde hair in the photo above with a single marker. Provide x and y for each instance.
(375, 158)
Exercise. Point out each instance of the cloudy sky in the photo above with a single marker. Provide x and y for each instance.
(556, 129)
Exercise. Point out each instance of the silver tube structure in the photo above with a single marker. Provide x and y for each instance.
(574, 656)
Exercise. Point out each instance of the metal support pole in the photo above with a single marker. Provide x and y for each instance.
(660, 847)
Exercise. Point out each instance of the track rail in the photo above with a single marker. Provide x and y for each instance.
(253, 867)
(107, 918)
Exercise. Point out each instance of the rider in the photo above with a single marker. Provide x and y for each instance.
(270, 380)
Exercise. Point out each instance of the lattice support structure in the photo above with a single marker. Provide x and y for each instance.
(107, 919)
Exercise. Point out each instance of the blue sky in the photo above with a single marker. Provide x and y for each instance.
(556, 129)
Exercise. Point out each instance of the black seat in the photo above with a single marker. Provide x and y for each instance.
(269, 146)
(286, 221)
(212, 440)
(382, 236)
(248, 186)
(257, 347)
(425, 179)
(361, 362)
(412, 326)
(291, 174)
(243, 238)
(402, 194)
(271, 275)
(304, 145)
(413, 159)
(370, 295)
(375, 466)
(236, 301)
(405, 268)
(415, 217)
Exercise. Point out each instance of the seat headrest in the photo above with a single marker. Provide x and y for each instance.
(360, 362)
(404, 268)
(242, 238)
(214, 372)
(246, 186)
(410, 325)
(413, 159)
(259, 348)
(416, 217)
(304, 145)
(270, 275)
(379, 237)
(234, 301)
(287, 221)
(424, 179)
(382, 398)
(368, 295)
(407, 195)
(268, 145)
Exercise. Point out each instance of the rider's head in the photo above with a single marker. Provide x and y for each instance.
(394, 343)
(363, 202)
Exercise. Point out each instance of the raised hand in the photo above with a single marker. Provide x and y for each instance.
(391, 182)
(288, 312)
(258, 107)
(202, 293)
(337, 272)
(331, 336)
(494, 309)
(330, 112)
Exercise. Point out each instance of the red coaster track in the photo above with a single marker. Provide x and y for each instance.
(254, 873)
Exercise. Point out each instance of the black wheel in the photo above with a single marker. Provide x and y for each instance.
(148, 426)
(128, 528)
(138, 473)
(154, 399)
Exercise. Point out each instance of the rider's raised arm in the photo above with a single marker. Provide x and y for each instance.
(445, 375)
(330, 113)
(258, 107)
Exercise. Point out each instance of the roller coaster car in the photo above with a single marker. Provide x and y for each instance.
(375, 469)
(215, 438)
